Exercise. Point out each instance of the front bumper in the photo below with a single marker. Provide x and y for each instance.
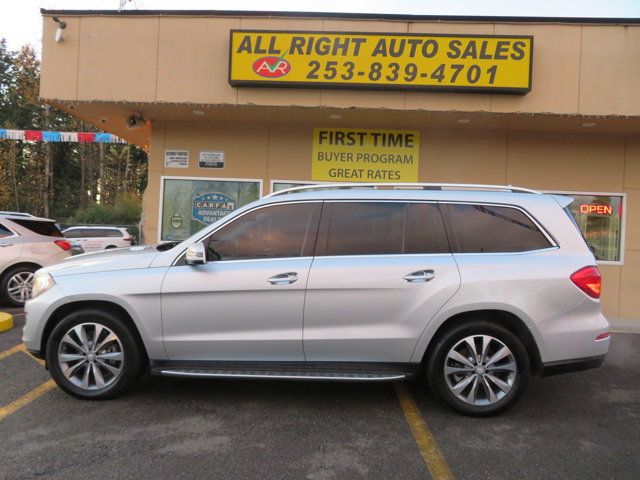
(38, 311)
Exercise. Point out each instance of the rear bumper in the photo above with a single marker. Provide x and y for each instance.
(575, 365)
(572, 335)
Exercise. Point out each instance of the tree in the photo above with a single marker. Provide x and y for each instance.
(56, 179)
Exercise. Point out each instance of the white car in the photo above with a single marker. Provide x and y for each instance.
(27, 243)
(94, 239)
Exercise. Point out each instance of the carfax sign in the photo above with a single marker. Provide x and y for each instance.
(365, 155)
(468, 63)
(211, 207)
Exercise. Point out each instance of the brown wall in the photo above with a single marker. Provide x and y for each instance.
(546, 161)
(577, 69)
(168, 65)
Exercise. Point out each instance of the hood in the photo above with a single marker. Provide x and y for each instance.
(108, 260)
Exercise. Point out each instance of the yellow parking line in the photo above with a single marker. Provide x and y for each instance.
(436, 463)
(11, 351)
(26, 399)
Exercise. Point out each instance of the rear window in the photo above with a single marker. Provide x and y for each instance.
(493, 229)
(113, 232)
(40, 227)
(5, 232)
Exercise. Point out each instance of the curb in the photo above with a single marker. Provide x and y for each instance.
(6, 321)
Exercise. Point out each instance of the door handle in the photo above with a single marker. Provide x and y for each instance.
(284, 278)
(420, 276)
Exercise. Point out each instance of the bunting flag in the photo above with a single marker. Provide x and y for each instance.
(46, 136)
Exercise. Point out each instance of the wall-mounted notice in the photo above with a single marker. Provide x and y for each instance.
(210, 159)
(176, 158)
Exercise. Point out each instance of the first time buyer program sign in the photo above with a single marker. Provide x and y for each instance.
(389, 61)
(365, 155)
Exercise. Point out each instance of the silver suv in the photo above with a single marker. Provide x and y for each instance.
(477, 287)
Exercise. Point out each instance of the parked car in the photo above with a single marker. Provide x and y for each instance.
(477, 287)
(27, 243)
(94, 239)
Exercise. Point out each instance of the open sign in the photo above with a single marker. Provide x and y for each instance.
(588, 208)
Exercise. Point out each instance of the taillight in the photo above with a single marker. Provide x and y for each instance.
(63, 244)
(127, 239)
(588, 280)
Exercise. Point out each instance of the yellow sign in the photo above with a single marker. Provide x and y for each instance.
(359, 155)
(487, 63)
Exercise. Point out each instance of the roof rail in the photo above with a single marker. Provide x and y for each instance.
(403, 186)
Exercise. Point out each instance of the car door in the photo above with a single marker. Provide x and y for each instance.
(10, 246)
(381, 272)
(246, 302)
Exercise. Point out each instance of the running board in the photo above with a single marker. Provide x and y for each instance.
(357, 377)
(339, 371)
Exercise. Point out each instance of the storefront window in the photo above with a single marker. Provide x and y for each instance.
(601, 219)
(278, 185)
(189, 205)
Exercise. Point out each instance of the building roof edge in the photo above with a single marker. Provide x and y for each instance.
(359, 16)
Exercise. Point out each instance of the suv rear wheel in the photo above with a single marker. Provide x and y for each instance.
(92, 354)
(16, 285)
(478, 368)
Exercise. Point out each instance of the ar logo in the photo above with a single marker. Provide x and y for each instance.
(271, 67)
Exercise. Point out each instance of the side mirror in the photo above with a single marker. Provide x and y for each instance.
(196, 254)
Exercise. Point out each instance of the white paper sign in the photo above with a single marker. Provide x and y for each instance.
(211, 159)
(176, 158)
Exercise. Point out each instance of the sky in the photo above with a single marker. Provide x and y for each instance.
(20, 21)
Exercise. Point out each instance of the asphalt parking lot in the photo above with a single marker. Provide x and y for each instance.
(583, 425)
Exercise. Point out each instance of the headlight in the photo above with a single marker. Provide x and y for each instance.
(41, 284)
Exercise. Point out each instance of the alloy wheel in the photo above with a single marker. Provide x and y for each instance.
(19, 286)
(480, 370)
(90, 356)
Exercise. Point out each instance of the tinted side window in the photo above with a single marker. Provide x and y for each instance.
(5, 232)
(424, 229)
(41, 228)
(489, 229)
(75, 233)
(112, 232)
(276, 231)
(381, 228)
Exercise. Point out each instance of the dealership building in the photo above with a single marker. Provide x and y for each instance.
(234, 105)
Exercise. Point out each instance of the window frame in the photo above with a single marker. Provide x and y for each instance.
(259, 181)
(318, 253)
(623, 220)
(453, 240)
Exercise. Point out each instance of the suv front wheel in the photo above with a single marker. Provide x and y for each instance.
(92, 354)
(479, 368)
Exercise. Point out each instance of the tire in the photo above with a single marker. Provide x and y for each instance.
(119, 361)
(20, 278)
(110, 247)
(456, 386)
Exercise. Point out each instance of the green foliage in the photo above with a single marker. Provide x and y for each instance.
(126, 211)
